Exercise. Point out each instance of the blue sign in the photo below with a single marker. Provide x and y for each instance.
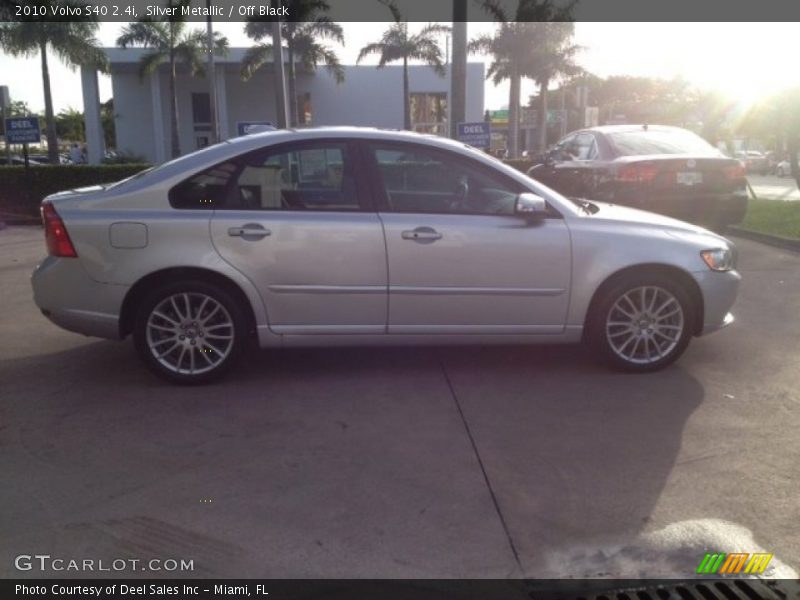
(23, 130)
(248, 127)
(477, 134)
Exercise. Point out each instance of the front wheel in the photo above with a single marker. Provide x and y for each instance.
(641, 324)
(189, 332)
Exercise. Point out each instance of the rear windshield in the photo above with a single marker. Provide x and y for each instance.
(661, 141)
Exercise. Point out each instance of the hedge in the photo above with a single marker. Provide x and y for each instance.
(21, 191)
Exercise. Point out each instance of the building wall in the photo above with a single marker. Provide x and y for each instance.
(368, 97)
(133, 114)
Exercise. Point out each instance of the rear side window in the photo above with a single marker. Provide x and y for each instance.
(660, 141)
(206, 190)
(305, 177)
(318, 177)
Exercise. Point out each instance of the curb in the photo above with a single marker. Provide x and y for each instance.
(766, 238)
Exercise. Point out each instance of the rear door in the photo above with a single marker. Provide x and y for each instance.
(296, 221)
(460, 260)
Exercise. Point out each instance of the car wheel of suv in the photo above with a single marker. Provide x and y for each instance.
(641, 324)
(189, 332)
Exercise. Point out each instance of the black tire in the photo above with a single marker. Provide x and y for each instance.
(605, 313)
(220, 334)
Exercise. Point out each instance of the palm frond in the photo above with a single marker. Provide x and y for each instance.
(369, 50)
(150, 62)
(254, 58)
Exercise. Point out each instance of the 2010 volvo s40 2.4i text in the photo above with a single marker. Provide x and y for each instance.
(341, 236)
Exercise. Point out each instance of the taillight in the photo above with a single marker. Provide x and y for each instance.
(637, 172)
(737, 171)
(55, 234)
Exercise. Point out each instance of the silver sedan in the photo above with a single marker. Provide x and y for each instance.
(342, 236)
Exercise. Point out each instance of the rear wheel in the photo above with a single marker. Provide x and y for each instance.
(641, 323)
(189, 332)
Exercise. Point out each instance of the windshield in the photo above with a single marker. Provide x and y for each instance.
(661, 141)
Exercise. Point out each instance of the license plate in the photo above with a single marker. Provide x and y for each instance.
(690, 178)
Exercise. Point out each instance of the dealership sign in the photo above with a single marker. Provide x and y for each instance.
(476, 134)
(248, 127)
(23, 130)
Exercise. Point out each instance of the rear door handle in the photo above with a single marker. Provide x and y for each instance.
(422, 234)
(250, 230)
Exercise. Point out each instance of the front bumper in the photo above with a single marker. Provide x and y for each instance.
(72, 300)
(719, 294)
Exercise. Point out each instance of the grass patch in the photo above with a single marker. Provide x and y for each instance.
(775, 217)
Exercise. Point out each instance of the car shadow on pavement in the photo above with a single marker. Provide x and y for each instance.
(578, 456)
(357, 461)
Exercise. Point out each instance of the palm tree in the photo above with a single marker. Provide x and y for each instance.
(170, 41)
(551, 59)
(73, 42)
(529, 46)
(397, 44)
(309, 25)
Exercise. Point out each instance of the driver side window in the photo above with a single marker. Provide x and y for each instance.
(418, 180)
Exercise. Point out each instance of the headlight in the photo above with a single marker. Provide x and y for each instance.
(719, 259)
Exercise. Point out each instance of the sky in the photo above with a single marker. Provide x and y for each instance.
(743, 60)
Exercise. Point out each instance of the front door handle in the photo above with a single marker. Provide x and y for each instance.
(251, 231)
(422, 235)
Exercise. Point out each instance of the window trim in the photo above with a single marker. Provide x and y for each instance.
(363, 196)
(378, 186)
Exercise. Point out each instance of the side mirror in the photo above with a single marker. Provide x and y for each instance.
(530, 205)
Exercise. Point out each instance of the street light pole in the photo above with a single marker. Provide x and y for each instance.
(280, 76)
(458, 68)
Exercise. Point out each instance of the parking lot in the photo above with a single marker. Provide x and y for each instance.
(411, 462)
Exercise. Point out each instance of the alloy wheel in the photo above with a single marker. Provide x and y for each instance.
(190, 333)
(645, 325)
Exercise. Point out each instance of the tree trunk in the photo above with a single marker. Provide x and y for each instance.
(792, 146)
(513, 114)
(50, 122)
(173, 94)
(294, 113)
(458, 68)
(212, 77)
(406, 97)
(542, 118)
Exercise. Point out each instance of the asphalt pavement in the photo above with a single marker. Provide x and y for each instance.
(404, 462)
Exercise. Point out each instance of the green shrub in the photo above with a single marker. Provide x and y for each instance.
(21, 191)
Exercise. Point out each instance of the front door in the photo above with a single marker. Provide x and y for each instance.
(460, 261)
(294, 222)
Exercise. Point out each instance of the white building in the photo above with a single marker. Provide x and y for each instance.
(369, 97)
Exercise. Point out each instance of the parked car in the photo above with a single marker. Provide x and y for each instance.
(17, 161)
(345, 236)
(783, 169)
(754, 161)
(667, 170)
